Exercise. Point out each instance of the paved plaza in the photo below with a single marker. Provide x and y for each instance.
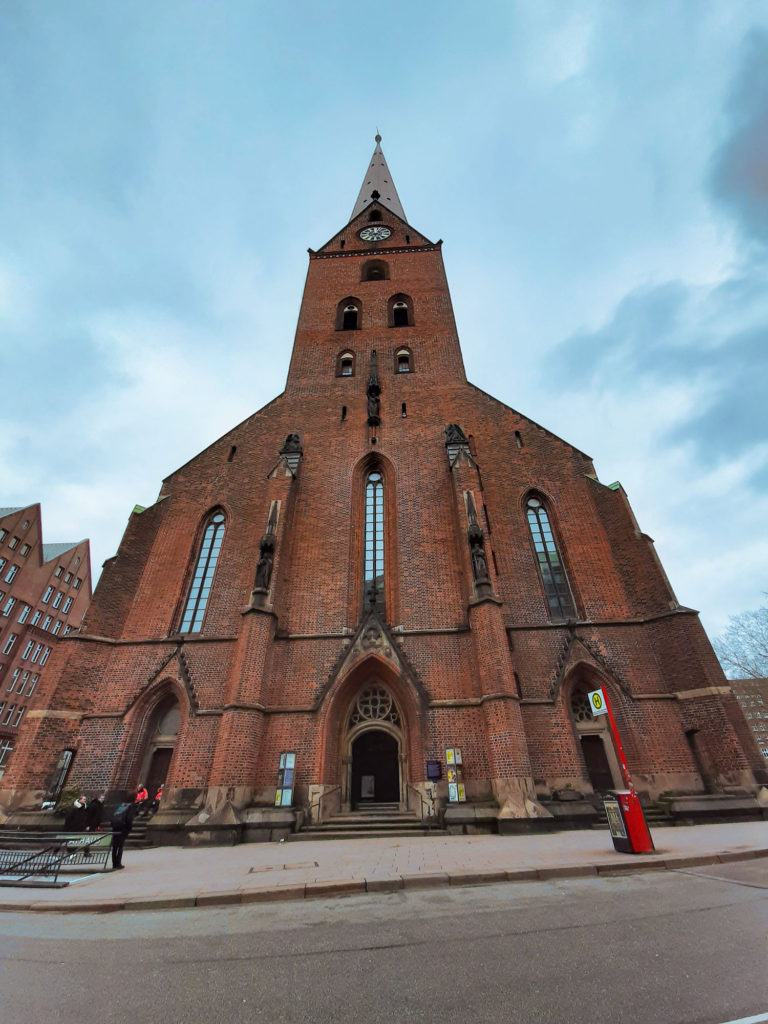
(170, 877)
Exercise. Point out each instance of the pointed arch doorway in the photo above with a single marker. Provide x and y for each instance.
(162, 737)
(373, 750)
(597, 750)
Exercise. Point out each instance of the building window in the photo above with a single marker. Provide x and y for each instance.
(10, 575)
(24, 551)
(2, 564)
(375, 270)
(59, 777)
(36, 618)
(14, 542)
(9, 643)
(24, 679)
(3, 535)
(56, 628)
(349, 320)
(59, 571)
(44, 658)
(9, 713)
(553, 577)
(47, 622)
(27, 650)
(47, 595)
(77, 583)
(19, 714)
(6, 749)
(32, 684)
(345, 364)
(403, 361)
(66, 606)
(36, 653)
(58, 599)
(200, 590)
(67, 630)
(400, 311)
(68, 578)
(374, 542)
(8, 606)
(14, 677)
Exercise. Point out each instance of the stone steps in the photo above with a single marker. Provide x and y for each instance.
(368, 821)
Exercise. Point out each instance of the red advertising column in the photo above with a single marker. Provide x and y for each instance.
(634, 837)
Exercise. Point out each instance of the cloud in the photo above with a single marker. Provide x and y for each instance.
(739, 177)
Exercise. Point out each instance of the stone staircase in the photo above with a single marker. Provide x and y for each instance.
(138, 839)
(369, 821)
(656, 816)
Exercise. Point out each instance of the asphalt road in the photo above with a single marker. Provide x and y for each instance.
(681, 947)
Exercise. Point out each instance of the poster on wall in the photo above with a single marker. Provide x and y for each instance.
(453, 792)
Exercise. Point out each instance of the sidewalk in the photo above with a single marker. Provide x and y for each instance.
(172, 877)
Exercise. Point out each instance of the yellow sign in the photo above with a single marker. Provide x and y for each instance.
(451, 774)
(278, 797)
(449, 755)
(462, 793)
(597, 703)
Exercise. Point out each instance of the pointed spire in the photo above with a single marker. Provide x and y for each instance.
(378, 184)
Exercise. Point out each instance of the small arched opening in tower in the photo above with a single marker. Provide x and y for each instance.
(400, 311)
(375, 270)
(348, 314)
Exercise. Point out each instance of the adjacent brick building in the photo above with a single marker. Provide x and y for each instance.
(44, 591)
(382, 563)
(752, 695)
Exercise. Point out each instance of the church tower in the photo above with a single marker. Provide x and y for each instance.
(382, 565)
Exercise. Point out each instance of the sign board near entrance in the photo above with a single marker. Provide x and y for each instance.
(456, 791)
(597, 703)
(615, 819)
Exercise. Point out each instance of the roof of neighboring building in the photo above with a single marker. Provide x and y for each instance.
(54, 550)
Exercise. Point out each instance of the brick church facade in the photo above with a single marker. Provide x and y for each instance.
(382, 563)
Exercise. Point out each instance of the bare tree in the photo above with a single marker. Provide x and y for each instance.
(743, 646)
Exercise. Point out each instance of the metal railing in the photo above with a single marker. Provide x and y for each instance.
(18, 862)
(319, 804)
(429, 817)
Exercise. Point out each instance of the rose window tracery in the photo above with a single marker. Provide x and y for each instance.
(374, 704)
(580, 708)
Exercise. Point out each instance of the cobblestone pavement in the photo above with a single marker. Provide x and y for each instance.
(176, 877)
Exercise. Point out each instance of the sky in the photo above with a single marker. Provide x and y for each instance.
(598, 172)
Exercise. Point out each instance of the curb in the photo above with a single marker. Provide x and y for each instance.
(384, 884)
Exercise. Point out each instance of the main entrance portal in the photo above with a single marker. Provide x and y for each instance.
(375, 768)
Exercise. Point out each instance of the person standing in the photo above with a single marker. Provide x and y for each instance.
(122, 823)
(95, 814)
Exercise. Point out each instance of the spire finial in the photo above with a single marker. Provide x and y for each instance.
(378, 185)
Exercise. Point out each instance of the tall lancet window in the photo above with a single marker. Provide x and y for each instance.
(374, 541)
(200, 589)
(556, 588)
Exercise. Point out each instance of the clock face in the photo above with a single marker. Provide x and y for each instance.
(375, 233)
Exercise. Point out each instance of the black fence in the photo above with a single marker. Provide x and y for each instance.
(41, 856)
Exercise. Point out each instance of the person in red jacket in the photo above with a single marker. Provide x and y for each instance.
(141, 799)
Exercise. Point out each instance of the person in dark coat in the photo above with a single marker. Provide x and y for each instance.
(75, 821)
(122, 823)
(94, 814)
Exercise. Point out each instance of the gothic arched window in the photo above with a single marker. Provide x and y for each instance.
(348, 314)
(553, 577)
(200, 588)
(373, 555)
(375, 270)
(400, 311)
(345, 364)
(403, 361)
